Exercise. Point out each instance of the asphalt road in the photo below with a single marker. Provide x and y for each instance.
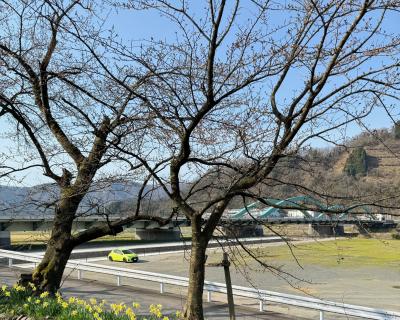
(374, 287)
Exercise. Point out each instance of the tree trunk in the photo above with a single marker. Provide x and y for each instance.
(48, 274)
(194, 303)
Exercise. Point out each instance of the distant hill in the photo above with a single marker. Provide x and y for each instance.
(318, 172)
(323, 171)
(39, 200)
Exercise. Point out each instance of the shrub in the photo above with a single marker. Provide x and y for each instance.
(397, 130)
(356, 163)
(396, 236)
(22, 301)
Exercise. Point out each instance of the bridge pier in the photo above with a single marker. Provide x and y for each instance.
(384, 227)
(234, 231)
(325, 230)
(5, 239)
(158, 234)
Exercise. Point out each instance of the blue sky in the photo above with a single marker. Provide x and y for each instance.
(145, 25)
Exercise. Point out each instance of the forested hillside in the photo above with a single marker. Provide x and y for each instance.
(364, 169)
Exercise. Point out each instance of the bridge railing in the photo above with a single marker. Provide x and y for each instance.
(261, 295)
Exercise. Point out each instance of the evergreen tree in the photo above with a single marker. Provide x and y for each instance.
(397, 130)
(356, 163)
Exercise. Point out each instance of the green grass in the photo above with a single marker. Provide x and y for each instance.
(351, 252)
(40, 237)
(37, 240)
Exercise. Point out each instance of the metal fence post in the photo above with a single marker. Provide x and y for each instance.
(261, 305)
(10, 262)
(208, 296)
(118, 281)
(79, 274)
(161, 287)
(321, 315)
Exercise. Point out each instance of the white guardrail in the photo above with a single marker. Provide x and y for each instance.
(261, 295)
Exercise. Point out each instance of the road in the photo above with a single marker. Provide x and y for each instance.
(355, 286)
(101, 250)
(145, 293)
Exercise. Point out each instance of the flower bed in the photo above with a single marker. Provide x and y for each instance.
(19, 300)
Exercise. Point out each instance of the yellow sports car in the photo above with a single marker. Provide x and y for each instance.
(123, 255)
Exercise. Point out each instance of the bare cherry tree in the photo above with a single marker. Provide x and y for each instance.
(65, 113)
(247, 83)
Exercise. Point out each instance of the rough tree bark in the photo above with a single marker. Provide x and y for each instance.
(194, 303)
(48, 274)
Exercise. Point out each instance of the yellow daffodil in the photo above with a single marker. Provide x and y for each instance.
(89, 308)
(71, 300)
(26, 305)
(74, 313)
(4, 288)
(117, 308)
(18, 288)
(155, 310)
(136, 305)
(96, 316)
(98, 309)
(80, 302)
(44, 294)
(45, 304)
(93, 301)
(33, 287)
(129, 312)
(64, 304)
